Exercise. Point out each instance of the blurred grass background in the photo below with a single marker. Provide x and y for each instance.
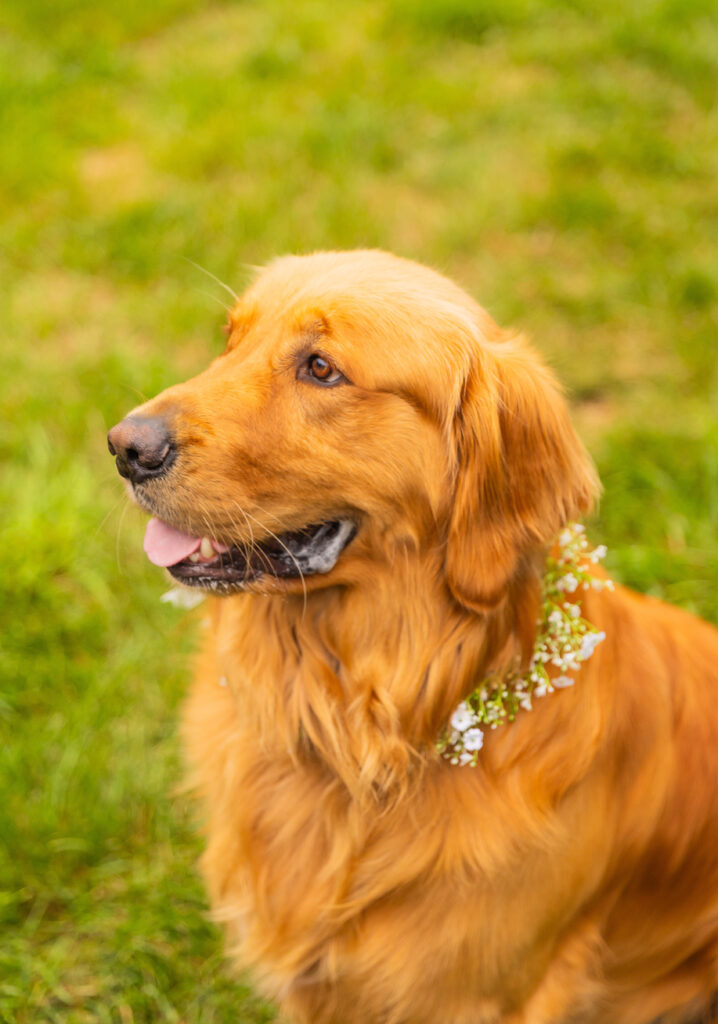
(558, 157)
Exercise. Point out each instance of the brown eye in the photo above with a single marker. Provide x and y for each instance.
(320, 368)
(322, 371)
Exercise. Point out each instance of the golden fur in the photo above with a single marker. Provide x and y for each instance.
(572, 875)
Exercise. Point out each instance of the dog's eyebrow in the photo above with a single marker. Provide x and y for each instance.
(239, 323)
(314, 329)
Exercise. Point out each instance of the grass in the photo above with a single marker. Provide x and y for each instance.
(559, 158)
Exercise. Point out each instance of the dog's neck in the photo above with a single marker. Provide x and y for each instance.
(365, 677)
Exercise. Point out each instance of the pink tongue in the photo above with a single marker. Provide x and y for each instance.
(166, 546)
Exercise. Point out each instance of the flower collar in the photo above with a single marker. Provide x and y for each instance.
(564, 639)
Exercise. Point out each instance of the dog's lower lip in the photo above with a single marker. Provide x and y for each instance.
(309, 551)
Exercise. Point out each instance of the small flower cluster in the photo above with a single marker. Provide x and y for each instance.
(563, 641)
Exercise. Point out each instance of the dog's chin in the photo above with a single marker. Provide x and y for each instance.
(312, 551)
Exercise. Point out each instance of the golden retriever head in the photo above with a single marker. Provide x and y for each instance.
(365, 406)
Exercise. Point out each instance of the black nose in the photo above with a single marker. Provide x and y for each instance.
(143, 446)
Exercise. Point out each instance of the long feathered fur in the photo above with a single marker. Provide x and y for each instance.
(573, 874)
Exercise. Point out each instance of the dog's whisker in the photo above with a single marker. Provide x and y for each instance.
(246, 549)
(118, 535)
(209, 295)
(284, 527)
(136, 391)
(109, 513)
(214, 277)
(251, 547)
(205, 518)
(291, 555)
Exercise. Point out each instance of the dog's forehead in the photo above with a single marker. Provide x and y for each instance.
(358, 280)
(394, 317)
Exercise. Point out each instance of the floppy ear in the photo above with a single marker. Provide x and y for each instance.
(522, 472)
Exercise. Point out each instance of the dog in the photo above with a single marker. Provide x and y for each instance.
(372, 484)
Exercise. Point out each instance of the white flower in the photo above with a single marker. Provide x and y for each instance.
(569, 583)
(462, 718)
(562, 681)
(466, 758)
(573, 610)
(565, 537)
(589, 644)
(556, 618)
(541, 690)
(473, 739)
(598, 553)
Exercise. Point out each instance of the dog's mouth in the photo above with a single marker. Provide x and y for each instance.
(204, 562)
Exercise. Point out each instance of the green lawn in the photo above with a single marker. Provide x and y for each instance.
(557, 158)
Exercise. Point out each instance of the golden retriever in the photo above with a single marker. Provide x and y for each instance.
(371, 478)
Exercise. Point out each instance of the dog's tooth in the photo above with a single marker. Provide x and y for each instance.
(206, 549)
(194, 557)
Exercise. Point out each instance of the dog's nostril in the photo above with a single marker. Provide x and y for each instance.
(152, 458)
(143, 447)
